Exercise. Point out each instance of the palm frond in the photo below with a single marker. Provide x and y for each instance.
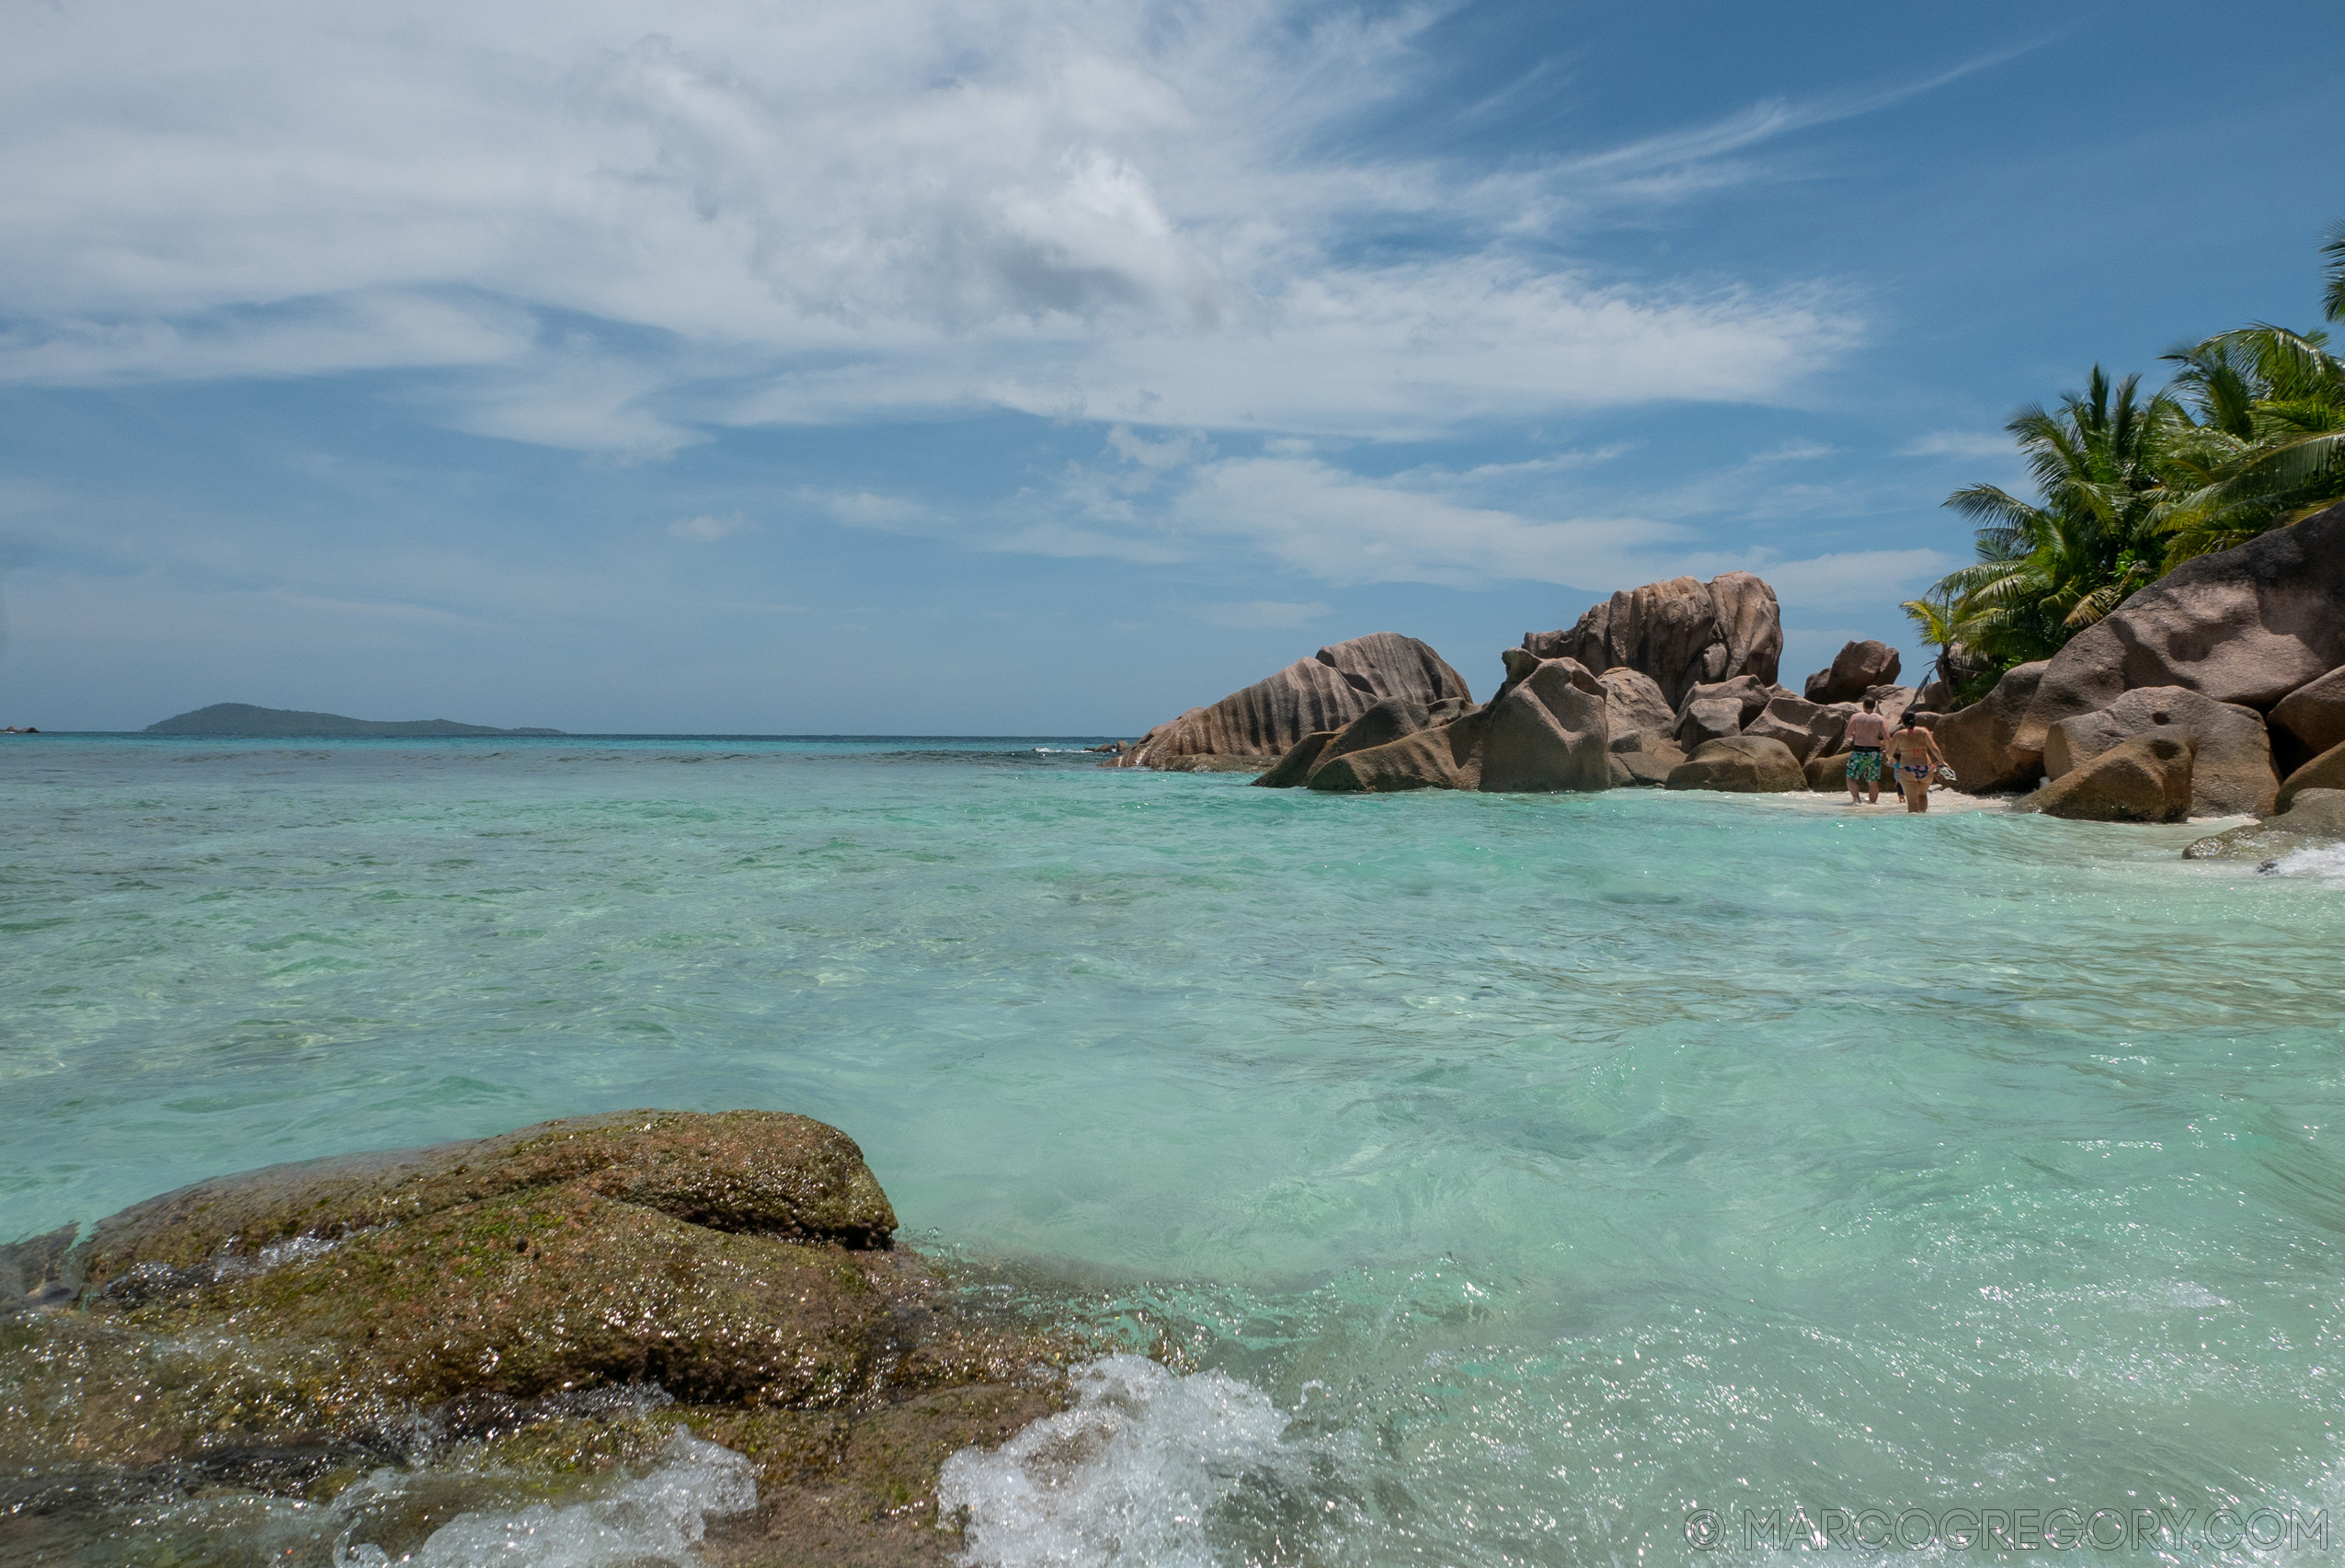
(2332, 292)
(2295, 465)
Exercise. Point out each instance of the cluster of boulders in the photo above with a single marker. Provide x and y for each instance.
(2218, 690)
(1671, 684)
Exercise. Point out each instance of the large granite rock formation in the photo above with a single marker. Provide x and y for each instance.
(1978, 742)
(2324, 772)
(1705, 719)
(2146, 779)
(1827, 773)
(1745, 764)
(1681, 633)
(1548, 732)
(2231, 772)
(1325, 691)
(2248, 625)
(1856, 666)
(1810, 729)
(1645, 764)
(1548, 729)
(1749, 695)
(1634, 708)
(502, 1307)
(1446, 757)
(2309, 720)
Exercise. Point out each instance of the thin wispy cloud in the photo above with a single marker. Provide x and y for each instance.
(708, 529)
(1960, 443)
(1261, 615)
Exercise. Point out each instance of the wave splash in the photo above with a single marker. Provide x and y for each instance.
(658, 1518)
(1149, 1468)
(2322, 860)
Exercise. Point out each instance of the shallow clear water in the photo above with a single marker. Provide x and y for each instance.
(1553, 1166)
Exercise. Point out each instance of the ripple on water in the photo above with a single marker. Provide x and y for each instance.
(1536, 1167)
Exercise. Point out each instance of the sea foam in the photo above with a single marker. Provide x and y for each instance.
(1133, 1475)
(658, 1518)
(2323, 860)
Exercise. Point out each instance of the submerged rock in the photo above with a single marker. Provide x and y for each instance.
(287, 1327)
(2315, 819)
(1212, 762)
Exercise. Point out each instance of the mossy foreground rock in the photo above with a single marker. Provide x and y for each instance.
(294, 1328)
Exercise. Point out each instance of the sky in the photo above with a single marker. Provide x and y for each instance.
(1048, 367)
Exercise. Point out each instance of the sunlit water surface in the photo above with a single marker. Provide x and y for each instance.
(1515, 1175)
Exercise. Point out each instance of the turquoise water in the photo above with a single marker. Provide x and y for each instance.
(1548, 1167)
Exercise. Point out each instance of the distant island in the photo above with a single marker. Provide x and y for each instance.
(242, 718)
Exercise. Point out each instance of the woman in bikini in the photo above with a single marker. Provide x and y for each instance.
(1913, 752)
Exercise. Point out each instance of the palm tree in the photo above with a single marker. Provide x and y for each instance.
(1963, 673)
(2268, 442)
(2332, 298)
(2047, 569)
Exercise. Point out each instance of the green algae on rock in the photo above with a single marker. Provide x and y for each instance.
(289, 1330)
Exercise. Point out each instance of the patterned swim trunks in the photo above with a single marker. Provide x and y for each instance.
(1864, 763)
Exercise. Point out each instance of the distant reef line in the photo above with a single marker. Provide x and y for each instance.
(244, 718)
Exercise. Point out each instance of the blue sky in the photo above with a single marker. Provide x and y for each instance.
(971, 367)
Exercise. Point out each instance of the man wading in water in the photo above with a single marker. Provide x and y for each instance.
(1867, 732)
(1915, 751)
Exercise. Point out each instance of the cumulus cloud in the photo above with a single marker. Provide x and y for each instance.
(614, 226)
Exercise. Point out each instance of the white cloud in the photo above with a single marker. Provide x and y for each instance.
(1346, 530)
(1960, 443)
(614, 224)
(1852, 578)
(708, 529)
(1305, 514)
(862, 509)
(1795, 452)
(1260, 614)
